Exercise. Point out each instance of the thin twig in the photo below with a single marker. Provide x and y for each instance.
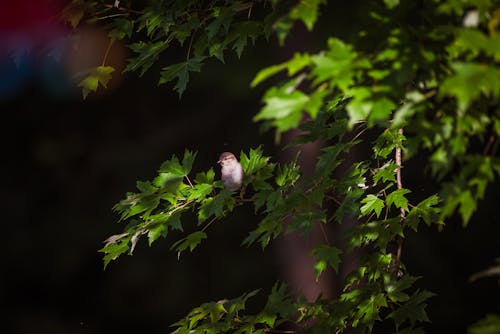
(250, 11)
(334, 199)
(189, 47)
(111, 41)
(209, 223)
(491, 140)
(110, 16)
(402, 214)
(324, 232)
(359, 134)
(189, 181)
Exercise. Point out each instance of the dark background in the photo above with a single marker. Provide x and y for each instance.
(66, 162)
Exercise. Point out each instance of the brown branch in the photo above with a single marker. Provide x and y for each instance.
(402, 214)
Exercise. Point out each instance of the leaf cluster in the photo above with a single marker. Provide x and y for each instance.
(420, 82)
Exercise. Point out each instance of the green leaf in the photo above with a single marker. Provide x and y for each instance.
(359, 107)
(121, 28)
(223, 17)
(368, 310)
(200, 191)
(338, 66)
(391, 3)
(115, 246)
(191, 242)
(172, 167)
(488, 325)
(469, 81)
(266, 73)
(307, 12)
(379, 232)
(324, 255)
(99, 75)
(278, 302)
(386, 173)
(395, 288)
(287, 175)
(426, 211)
(155, 232)
(381, 110)
(283, 108)
(256, 167)
(187, 161)
(215, 206)
(297, 63)
(240, 34)
(180, 72)
(467, 206)
(148, 54)
(269, 228)
(305, 221)
(75, 10)
(372, 203)
(207, 177)
(413, 310)
(398, 198)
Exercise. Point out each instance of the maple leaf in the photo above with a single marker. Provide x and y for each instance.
(99, 75)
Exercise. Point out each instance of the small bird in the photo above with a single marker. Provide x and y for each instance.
(231, 171)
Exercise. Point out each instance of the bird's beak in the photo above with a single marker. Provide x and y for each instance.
(219, 162)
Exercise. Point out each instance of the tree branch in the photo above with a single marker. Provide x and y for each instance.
(402, 214)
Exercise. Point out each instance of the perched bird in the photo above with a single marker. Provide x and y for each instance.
(231, 171)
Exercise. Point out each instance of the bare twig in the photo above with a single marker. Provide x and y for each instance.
(110, 16)
(189, 181)
(324, 232)
(209, 223)
(402, 214)
(250, 11)
(334, 199)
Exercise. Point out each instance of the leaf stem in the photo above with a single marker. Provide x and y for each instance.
(190, 46)
(189, 181)
(209, 223)
(110, 16)
(111, 41)
(324, 232)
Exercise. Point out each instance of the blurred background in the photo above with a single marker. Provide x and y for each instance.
(66, 162)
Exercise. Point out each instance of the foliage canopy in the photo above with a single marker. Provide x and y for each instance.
(423, 77)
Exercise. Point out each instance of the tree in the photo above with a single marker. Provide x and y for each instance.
(420, 78)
